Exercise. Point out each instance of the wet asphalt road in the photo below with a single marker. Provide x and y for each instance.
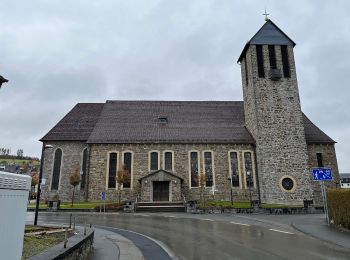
(205, 238)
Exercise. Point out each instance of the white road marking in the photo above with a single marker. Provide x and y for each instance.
(143, 215)
(281, 231)
(242, 224)
(171, 216)
(207, 219)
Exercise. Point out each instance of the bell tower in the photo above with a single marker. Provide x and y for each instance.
(273, 116)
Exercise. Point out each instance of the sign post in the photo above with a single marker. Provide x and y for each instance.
(323, 174)
(103, 199)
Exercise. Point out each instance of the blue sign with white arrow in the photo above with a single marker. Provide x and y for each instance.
(322, 174)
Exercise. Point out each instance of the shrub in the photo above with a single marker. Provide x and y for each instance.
(339, 207)
(110, 206)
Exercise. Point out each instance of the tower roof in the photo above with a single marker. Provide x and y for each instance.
(269, 34)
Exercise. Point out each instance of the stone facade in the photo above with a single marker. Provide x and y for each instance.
(274, 118)
(72, 157)
(98, 170)
(329, 160)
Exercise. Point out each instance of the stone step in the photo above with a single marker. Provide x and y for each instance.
(161, 203)
(161, 206)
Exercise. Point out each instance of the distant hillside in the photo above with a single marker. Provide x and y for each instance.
(13, 159)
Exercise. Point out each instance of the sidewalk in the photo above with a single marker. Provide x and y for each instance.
(111, 246)
(318, 228)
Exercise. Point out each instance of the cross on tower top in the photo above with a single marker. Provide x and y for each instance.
(266, 15)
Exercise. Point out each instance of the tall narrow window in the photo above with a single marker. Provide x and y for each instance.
(319, 160)
(248, 168)
(208, 167)
(112, 173)
(260, 61)
(83, 169)
(168, 161)
(154, 161)
(128, 167)
(194, 168)
(272, 56)
(285, 61)
(234, 169)
(56, 169)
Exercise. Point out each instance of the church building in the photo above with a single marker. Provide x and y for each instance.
(261, 148)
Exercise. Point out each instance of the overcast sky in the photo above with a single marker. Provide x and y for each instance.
(58, 53)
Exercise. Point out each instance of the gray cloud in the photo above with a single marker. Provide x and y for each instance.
(58, 53)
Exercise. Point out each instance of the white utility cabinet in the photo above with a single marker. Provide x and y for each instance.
(14, 191)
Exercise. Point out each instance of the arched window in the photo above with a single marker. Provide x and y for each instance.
(154, 161)
(234, 169)
(56, 169)
(248, 169)
(208, 168)
(128, 166)
(194, 163)
(112, 170)
(84, 169)
(168, 161)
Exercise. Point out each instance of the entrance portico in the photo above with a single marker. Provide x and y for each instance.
(161, 186)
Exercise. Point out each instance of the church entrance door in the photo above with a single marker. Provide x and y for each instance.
(161, 191)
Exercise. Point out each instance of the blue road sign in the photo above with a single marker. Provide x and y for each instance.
(103, 195)
(322, 174)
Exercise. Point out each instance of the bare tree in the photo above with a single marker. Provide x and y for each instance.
(201, 182)
(123, 176)
(74, 180)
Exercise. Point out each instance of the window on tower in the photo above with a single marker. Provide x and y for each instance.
(272, 57)
(319, 159)
(285, 61)
(260, 61)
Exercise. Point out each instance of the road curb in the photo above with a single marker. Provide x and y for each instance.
(166, 249)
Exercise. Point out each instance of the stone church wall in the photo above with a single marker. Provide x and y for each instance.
(329, 160)
(72, 156)
(99, 168)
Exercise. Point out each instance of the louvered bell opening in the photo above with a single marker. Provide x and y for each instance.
(275, 74)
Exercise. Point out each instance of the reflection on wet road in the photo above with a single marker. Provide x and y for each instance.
(205, 238)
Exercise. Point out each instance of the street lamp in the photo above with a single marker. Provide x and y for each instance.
(249, 175)
(39, 184)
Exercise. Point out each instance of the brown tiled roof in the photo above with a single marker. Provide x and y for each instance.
(138, 122)
(77, 124)
(188, 121)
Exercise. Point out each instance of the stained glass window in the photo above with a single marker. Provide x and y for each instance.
(194, 169)
(154, 161)
(128, 167)
(168, 161)
(56, 169)
(208, 167)
(112, 174)
(234, 169)
(84, 169)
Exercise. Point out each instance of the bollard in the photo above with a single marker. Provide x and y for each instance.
(90, 225)
(74, 223)
(65, 238)
(85, 228)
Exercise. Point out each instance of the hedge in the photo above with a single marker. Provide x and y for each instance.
(339, 207)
